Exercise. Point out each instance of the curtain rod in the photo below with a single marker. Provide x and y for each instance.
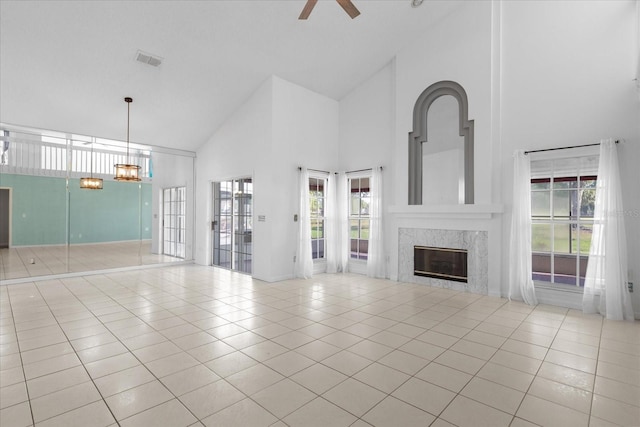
(564, 148)
(314, 170)
(362, 170)
(318, 170)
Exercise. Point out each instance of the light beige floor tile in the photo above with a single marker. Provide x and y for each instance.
(569, 376)
(346, 362)
(211, 398)
(492, 394)
(187, 380)
(92, 341)
(618, 358)
(543, 412)
(453, 330)
(444, 376)
(169, 414)
(137, 399)
(101, 352)
(474, 349)
(230, 363)
(615, 411)
(404, 362)
(461, 362)
(243, 413)
(506, 376)
(283, 397)
(486, 338)
(293, 339)
(569, 360)
(12, 376)
(264, 351)
(616, 390)
(16, 416)
(156, 351)
(123, 380)
(619, 373)
(254, 379)
(317, 350)
(318, 378)
(381, 377)
(426, 396)
(464, 412)
(95, 414)
(111, 365)
(13, 394)
(516, 361)
(392, 412)
(194, 340)
(577, 348)
(562, 394)
(63, 400)
(171, 364)
(57, 381)
(289, 363)
(49, 366)
(525, 349)
(320, 413)
(354, 396)
(213, 350)
(371, 350)
(389, 339)
(422, 349)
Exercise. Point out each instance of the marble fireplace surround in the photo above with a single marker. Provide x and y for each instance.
(475, 242)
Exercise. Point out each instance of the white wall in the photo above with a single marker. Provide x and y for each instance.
(172, 170)
(567, 79)
(240, 148)
(282, 126)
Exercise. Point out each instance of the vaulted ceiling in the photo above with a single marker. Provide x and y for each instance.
(67, 65)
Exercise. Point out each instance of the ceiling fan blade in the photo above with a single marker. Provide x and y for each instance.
(348, 7)
(307, 9)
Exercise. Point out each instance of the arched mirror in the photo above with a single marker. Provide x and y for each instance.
(441, 147)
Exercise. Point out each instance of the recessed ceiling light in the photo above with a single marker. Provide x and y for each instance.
(416, 3)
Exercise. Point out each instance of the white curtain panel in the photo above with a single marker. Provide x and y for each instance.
(520, 281)
(605, 287)
(332, 225)
(304, 260)
(342, 205)
(376, 262)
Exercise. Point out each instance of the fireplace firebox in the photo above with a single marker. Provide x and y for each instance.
(440, 263)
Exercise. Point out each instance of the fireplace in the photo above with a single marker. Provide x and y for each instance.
(440, 263)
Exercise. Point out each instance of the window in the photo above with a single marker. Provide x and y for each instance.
(317, 200)
(359, 199)
(562, 205)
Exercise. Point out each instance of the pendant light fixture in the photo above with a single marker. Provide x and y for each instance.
(127, 171)
(91, 183)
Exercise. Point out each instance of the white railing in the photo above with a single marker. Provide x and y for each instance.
(33, 154)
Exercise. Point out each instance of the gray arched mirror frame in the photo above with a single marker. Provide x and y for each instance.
(419, 135)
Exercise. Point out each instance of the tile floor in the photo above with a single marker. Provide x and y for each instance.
(15, 263)
(188, 345)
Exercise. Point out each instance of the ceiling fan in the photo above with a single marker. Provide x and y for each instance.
(348, 7)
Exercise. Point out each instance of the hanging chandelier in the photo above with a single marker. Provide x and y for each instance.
(127, 171)
(91, 183)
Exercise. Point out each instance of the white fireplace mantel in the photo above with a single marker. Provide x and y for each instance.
(446, 211)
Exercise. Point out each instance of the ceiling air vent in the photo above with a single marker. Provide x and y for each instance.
(148, 58)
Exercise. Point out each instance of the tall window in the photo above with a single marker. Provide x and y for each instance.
(317, 200)
(359, 201)
(562, 207)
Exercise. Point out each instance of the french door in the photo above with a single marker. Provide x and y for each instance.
(232, 224)
(174, 224)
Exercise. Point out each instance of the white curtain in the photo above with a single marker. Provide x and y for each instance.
(304, 260)
(605, 287)
(376, 262)
(342, 205)
(332, 225)
(520, 280)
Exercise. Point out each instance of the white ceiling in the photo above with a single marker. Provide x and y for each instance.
(67, 65)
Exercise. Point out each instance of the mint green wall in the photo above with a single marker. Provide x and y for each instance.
(38, 209)
(111, 214)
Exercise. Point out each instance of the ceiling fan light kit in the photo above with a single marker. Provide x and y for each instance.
(347, 5)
